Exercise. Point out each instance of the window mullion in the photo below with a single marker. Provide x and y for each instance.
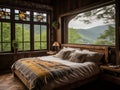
(40, 37)
(31, 32)
(23, 36)
(12, 27)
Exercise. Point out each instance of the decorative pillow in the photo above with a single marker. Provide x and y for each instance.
(78, 57)
(96, 57)
(93, 56)
(64, 53)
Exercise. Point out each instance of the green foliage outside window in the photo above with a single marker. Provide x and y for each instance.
(74, 36)
(5, 38)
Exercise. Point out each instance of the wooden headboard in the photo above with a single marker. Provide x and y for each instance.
(101, 49)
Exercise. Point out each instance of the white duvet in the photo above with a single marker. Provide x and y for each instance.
(81, 71)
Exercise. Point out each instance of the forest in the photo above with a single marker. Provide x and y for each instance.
(22, 37)
(105, 38)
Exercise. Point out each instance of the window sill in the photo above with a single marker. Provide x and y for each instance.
(25, 52)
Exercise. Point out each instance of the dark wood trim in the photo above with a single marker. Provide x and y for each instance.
(117, 32)
(31, 22)
(25, 4)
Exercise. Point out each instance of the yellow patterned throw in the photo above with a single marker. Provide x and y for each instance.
(40, 72)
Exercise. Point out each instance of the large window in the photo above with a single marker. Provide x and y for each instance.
(29, 28)
(96, 26)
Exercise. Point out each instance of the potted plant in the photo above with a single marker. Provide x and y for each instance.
(15, 45)
(55, 24)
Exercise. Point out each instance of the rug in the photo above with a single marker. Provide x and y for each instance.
(9, 82)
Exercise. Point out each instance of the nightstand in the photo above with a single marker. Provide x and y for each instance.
(51, 52)
(110, 73)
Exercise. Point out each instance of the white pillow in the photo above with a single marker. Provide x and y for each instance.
(70, 48)
(93, 56)
(77, 56)
(63, 52)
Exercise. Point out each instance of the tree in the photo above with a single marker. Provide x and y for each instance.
(108, 37)
(73, 36)
(107, 13)
(5, 37)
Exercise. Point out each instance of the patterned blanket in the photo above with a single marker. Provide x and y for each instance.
(40, 72)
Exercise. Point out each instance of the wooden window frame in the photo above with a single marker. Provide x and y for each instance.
(12, 22)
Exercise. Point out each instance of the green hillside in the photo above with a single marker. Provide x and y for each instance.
(91, 35)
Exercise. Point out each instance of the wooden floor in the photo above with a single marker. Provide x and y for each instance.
(9, 82)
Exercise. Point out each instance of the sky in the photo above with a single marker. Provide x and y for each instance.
(80, 25)
(75, 23)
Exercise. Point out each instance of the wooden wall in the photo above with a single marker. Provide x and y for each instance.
(62, 7)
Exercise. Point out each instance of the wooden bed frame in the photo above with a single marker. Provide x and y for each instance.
(102, 49)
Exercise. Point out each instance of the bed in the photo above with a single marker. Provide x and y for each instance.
(64, 70)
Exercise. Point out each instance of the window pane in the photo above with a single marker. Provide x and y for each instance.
(18, 32)
(43, 45)
(22, 15)
(6, 32)
(26, 46)
(0, 47)
(36, 45)
(0, 32)
(20, 46)
(36, 32)
(95, 26)
(6, 47)
(43, 33)
(4, 13)
(26, 32)
(45, 17)
(40, 17)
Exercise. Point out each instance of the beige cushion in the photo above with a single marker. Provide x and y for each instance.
(77, 56)
(93, 56)
(64, 53)
(70, 48)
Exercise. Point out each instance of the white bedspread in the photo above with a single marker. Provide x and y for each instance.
(80, 71)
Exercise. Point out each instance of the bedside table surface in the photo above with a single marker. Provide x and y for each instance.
(111, 68)
(51, 52)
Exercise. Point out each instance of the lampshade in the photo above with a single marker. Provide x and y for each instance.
(55, 44)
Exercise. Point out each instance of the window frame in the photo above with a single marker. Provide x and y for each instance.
(31, 22)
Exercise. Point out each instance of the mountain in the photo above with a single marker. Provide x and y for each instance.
(91, 34)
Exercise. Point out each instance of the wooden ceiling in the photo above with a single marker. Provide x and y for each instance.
(46, 2)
